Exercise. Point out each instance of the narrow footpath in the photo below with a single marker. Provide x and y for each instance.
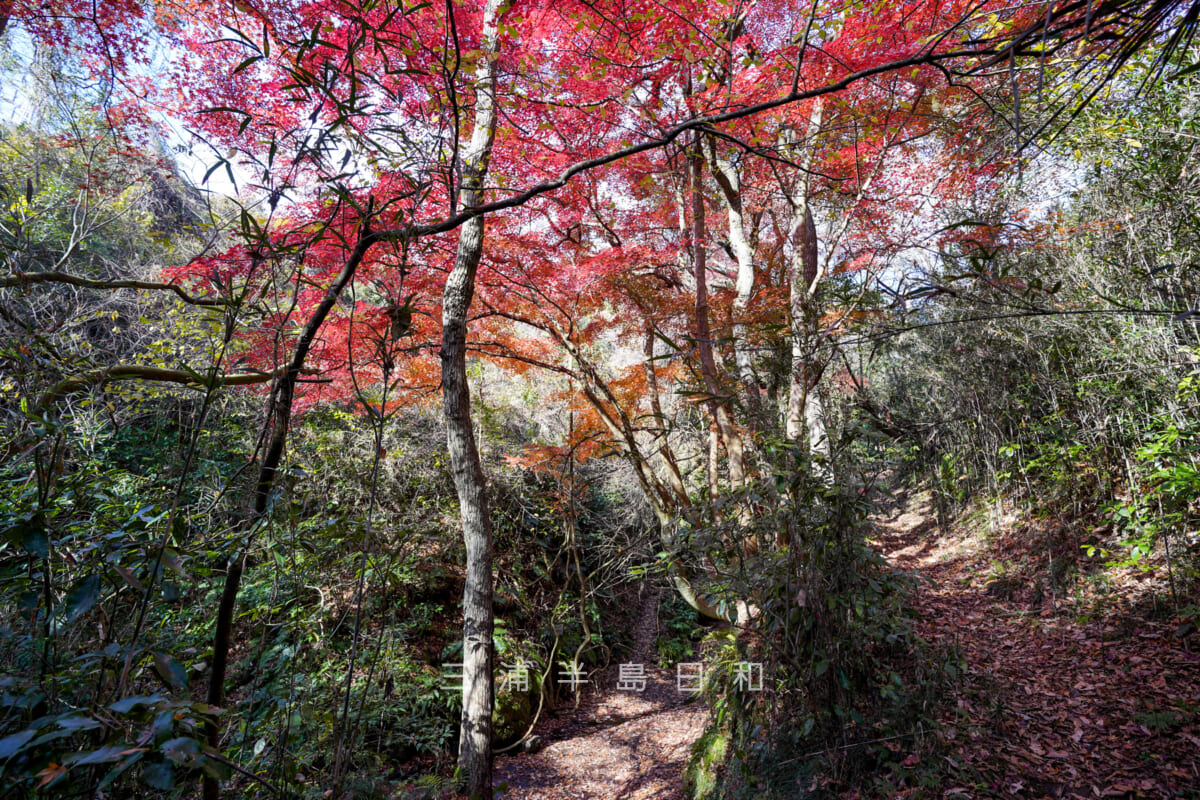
(1054, 703)
(619, 745)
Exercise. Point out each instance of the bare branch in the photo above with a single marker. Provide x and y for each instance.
(144, 372)
(23, 278)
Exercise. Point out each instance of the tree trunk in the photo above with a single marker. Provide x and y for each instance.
(671, 464)
(739, 242)
(713, 462)
(280, 417)
(814, 420)
(475, 740)
(708, 364)
(804, 274)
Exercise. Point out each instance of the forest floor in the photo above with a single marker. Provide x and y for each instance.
(625, 744)
(1057, 701)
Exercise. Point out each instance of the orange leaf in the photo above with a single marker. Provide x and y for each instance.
(50, 773)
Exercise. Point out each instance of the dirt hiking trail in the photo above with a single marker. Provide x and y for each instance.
(1052, 705)
(624, 745)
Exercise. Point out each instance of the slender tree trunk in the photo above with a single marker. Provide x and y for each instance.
(814, 420)
(804, 274)
(674, 476)
(739, 241)
(475, 740)
(713, 462)
(280, 420)
(805, 391)
(708, 364)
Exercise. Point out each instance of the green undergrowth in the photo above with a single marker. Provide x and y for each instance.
(347, 619)
(849, 694)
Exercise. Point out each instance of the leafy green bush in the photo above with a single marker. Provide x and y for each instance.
(677, 631)
(842, 667)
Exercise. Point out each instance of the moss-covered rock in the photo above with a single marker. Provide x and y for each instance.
(700, 775)
(510, 717)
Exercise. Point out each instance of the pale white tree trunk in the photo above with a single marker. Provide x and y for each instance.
(475, 742)
(802, 273)
(739, 242)
(804, 409)
(708, 365)
(814, 420)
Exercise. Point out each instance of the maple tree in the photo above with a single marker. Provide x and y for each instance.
(374, 140)
(883, 154)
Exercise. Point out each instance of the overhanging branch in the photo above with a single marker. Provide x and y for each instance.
(142, 372)
(1137, 20)
(25, 278)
